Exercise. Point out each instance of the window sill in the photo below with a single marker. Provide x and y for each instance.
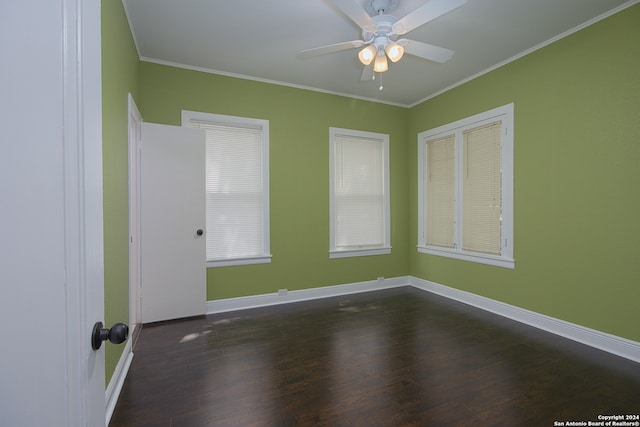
(494, 260)
(359, 252)
(263, 259)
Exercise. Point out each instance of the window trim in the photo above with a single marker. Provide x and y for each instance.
(263, 125)
(385, 249)
(505, 114)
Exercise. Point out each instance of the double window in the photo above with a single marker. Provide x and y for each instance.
(237, 188)
(359, 193)
(465, 189)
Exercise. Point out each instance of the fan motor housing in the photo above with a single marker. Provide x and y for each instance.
(383, 28)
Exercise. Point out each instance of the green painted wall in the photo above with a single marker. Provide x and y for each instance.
(577, 170)
(119, 77)
(299, 122)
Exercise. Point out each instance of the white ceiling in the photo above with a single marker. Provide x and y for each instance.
(259, 40)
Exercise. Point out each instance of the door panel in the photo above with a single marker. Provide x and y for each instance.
(172, 208)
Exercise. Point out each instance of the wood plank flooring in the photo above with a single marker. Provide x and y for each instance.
(399, 357)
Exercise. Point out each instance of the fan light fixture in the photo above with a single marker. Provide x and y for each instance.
(379, 51)
(392, 49)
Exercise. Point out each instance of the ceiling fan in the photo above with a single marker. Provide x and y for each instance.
(380, 33)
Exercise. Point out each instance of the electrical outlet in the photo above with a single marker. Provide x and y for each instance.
(282, 292)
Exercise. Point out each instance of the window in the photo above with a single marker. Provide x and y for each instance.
(237, 171)
(359, 193)
(465, 189)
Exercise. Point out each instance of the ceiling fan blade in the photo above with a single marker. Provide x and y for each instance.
(354, 10)
(426, 51)
(425, 13)
(367, 73)
(323, 50)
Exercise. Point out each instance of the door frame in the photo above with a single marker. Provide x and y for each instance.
(135, 260)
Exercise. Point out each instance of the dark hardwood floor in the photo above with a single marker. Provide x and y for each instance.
(399, 357)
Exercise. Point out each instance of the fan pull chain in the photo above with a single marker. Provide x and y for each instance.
(381, 87)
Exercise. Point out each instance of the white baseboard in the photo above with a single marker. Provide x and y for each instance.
(114, 388)
(591, 337)
(253, 301)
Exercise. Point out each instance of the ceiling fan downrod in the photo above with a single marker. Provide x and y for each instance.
(381, 7)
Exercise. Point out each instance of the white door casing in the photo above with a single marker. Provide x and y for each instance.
(172, 210)
(135, 282)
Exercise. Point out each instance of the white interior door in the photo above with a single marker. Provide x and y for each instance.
(51, 246)
(172, 208)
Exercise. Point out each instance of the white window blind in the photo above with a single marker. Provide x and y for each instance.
(359, 193)
(237, 190)
(440, 200)
(481, 182)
